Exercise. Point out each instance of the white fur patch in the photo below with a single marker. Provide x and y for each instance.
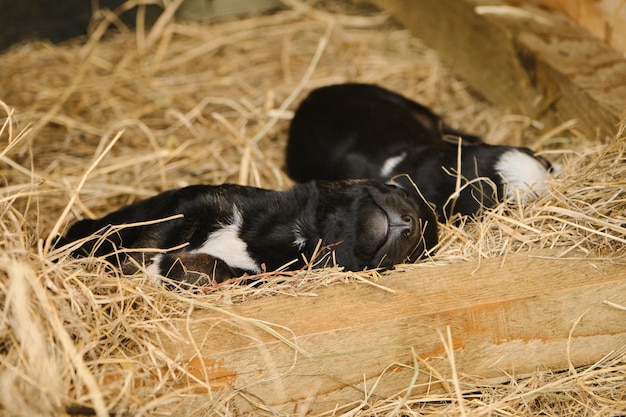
(299, 240)
(522, 173)
(155, 267)
(390, 163)
(226, 244)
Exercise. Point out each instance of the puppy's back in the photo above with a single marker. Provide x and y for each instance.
(341, 123)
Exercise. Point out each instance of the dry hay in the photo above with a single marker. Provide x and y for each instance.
(89, 126)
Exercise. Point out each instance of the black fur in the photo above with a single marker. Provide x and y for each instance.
(365, 223)
(350, 130)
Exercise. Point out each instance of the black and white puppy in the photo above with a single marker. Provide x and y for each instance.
(365, 131)
(227, 230)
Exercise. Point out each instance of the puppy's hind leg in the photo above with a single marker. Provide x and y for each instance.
(196, 269)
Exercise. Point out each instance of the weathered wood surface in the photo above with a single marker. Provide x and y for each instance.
(606, 19)
(207, 10)
(511, 315)
(532, 61)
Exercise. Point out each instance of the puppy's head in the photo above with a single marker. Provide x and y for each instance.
(375, 224)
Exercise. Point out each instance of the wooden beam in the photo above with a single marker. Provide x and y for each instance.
(606, 19)
(530, 60)
(511, 315)
(209, 10)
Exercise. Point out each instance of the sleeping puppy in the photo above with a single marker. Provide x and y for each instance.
(364, 131)
(227, 230)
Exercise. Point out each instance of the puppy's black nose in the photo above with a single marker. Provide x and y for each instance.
(409, 225)
(403, 225)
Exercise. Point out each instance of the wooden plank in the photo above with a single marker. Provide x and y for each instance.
(530, 60)
(513, 315)
(606, 19)
(203, 10)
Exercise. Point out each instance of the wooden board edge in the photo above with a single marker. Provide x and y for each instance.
(532, 61)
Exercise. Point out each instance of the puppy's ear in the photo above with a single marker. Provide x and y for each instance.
(405, 183)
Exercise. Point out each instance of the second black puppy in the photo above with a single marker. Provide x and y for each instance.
(227, 230)
(365, 131)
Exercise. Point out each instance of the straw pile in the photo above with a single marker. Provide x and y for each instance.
(90, 125)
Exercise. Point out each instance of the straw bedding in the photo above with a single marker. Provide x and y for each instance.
(96, 123)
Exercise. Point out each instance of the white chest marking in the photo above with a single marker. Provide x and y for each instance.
(391, 163)
(226, 244)
(522, 173)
